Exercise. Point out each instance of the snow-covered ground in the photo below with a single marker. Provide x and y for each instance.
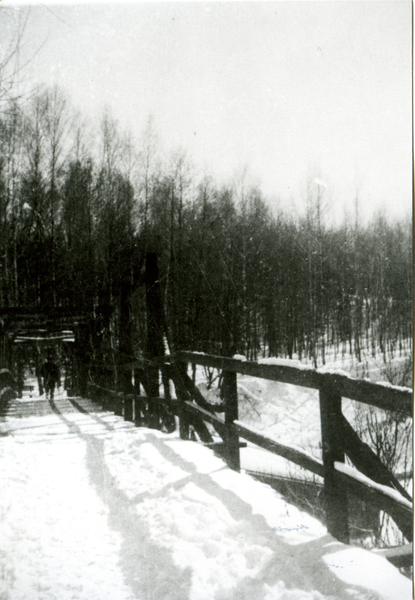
(94, 508)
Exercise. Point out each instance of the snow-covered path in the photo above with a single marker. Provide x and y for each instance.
(92, 507)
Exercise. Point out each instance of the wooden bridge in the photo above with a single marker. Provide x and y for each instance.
(118, 387)
(370, 481)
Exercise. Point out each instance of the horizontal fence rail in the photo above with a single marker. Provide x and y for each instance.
(370, 481)
(376, 394)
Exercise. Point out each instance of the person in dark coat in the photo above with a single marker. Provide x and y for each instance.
(51, 377)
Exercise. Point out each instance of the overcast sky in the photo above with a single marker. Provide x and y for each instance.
(294, 90)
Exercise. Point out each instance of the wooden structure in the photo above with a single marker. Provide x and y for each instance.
(371, 480)
(42, 328)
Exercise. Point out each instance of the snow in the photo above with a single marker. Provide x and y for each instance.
(54, 532)
(284, 362)
(388, 491)
(94, 508)
(364, 575)
(333, 371)
(240, 357)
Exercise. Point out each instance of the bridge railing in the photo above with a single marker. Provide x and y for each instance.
(371, 480)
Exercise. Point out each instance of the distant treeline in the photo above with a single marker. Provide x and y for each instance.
(79, 210)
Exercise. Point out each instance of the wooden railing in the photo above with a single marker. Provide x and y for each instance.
(371, 480)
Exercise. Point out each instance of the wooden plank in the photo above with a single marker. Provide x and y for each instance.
(230, 397)
(175, 406)
(337, 514)
(139, 410)
(306, 378)
(400, 556)
(375, 394)
(177, 374)
(367, 392)
(128, 407)
(401, 514)
(201, 429)
(198, 396)
(143, 406)
(366, 461)
(114, 394)
(154, 330)
(119, 404)
(219, 425)
(296, 456)
(220, 445)
(220, 449)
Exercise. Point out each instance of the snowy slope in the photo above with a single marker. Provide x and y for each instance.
(93, 508)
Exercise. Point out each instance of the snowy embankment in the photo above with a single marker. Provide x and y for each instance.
(94, 508)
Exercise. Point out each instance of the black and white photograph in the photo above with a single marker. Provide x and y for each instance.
(206, 300)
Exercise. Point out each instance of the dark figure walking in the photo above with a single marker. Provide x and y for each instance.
(51, 377)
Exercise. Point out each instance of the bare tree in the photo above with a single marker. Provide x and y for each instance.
(149, 166)
(13, 67)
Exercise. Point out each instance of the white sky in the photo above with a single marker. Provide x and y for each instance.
(294, 90)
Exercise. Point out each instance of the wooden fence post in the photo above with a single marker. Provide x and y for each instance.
(335, 494)
(82, 357)
(154, 341)
(128, 407)
(230, 398)
(184, 429)
(125, 376)
(118, 404)
(153, 392)
(104, 400)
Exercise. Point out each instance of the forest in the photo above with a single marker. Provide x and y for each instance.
(82, 204)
